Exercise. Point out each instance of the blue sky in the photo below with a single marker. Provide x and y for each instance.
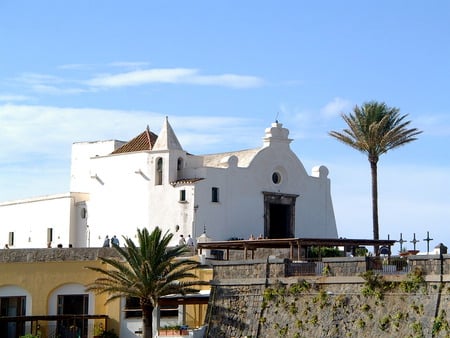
(223, 71)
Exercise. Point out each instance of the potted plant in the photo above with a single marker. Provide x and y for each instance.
(98, 330)
(173, 330)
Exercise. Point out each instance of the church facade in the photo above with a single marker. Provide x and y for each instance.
(117, 187)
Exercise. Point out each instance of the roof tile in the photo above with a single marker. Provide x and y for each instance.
(144, 141)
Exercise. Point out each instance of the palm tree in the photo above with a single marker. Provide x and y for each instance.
(148, 272)
(374, 128)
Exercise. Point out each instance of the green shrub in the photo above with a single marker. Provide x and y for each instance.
(414, 281)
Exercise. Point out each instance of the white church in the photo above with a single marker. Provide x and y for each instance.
(117, 187)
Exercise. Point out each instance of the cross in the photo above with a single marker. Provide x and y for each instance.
(414, 241)
(401, 241)
(428, 240)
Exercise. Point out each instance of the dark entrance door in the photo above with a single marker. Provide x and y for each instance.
(73, 305)
(280, 221)
(279, 211)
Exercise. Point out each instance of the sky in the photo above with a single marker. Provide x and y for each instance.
(223, 71)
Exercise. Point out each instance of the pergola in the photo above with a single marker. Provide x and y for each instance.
(295, 245)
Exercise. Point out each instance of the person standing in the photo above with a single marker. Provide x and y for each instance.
(182, 241)
(115, 240)
(106, 242)
(190, 241)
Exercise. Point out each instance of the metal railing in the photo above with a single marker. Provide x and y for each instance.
(310, 267)
(384, 266)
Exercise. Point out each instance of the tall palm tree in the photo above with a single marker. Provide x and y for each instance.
(373, 129)
(148, 272)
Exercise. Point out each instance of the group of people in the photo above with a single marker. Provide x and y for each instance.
(189, 242)
(114, 240)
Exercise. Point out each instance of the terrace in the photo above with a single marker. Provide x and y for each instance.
(294, 254)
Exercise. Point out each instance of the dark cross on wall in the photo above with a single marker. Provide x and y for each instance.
(414, 241)
(401, 241)
(428, 240)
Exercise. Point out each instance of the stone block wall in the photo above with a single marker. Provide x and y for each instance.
(350, 303)
(54, 254)
(431, 264)
(345, 266)
(258, 268)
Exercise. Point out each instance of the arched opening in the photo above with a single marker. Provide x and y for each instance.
(14, 302)
(159, 171)
(71, 299)
(180, 166)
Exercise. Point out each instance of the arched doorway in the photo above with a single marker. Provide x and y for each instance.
(71, 299)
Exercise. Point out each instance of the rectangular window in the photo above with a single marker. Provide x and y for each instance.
(12, 306)
(133, 309)
(11, 239)
(49, 235)
(215, 194)
(183, 195)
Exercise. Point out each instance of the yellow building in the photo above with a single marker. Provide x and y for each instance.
(42, 291)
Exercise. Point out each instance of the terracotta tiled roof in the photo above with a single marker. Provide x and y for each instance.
(144, 141)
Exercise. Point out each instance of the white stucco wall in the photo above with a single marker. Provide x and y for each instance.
(124, 197)
(116, 194)
(240, 212)
(29, 220)
(118, 202)
(82, 152)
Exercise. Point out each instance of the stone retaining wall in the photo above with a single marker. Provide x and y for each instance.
(245, 303)
(54, 254)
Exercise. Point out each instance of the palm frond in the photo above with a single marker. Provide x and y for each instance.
(374, 128)
(148, 270)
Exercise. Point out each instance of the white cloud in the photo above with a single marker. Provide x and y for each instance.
(227, 80)
(174, 76)
(53, 90)
(141, 77)
(28, 129)
(50, 84)
(64, 85)
(13, 98)
(303, 123)
(39, 140)
(119, 64)
(335, 107)
(76, 66)
(127, 64)
(36, 79)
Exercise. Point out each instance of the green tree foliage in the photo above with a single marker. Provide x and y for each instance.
(147, 271)
(374, 129)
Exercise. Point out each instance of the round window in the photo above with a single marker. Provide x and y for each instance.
(276, 177)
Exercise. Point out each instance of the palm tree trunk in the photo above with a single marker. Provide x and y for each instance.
(147, 320)
(374, 172)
